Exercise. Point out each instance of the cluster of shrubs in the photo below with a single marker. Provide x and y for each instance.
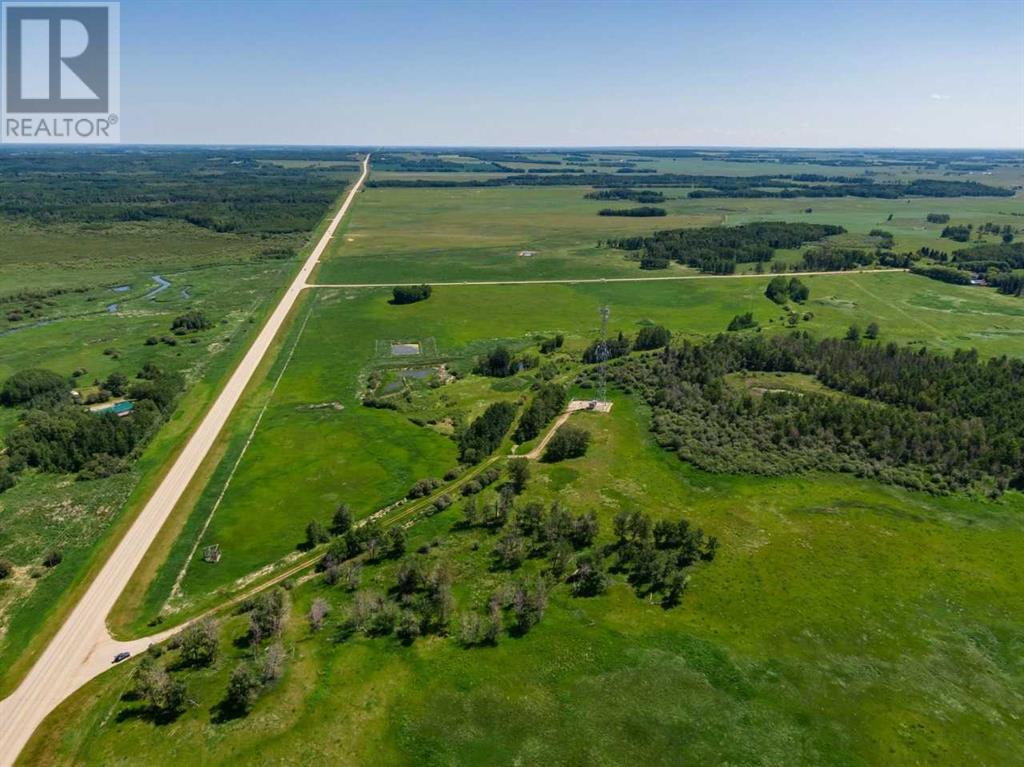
(190, 322)
(649, 338)
(501, 363)
(480, 481)
(743, 322)
(410, 294)
(549, 345)
(781, 290)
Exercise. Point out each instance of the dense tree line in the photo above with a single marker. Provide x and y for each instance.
(645, 196)
(401, 163)
(547, 403)
(484, 435)
(644, 211)
(713, 186)
(223, 190)
(916, 418)
(1002, 256)
(835, 259)
(943, 274)
(1009, 284)
(717, 249)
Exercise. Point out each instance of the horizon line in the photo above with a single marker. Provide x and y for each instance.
(528, 147)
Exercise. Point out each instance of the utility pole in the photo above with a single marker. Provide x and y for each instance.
(602, 357)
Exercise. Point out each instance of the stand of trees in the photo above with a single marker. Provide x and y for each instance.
(1010, 284)
(636, 195)
(718, 249)
(645, 211)
(222, 189)
(569, 442)
(410, 294)
(501, 363)
(960, 233)
(781, 290)
(547, 403)
(56, 436)
(190, 322)
(943, 274)
(924, 420)
(484, 435)
(835, 259)
(652, 337)
(34, 386)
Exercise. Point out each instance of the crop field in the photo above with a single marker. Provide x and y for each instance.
(834, 629)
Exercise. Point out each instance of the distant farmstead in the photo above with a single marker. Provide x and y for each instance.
(120, 409)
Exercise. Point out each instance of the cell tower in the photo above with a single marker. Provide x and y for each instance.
(602, 357)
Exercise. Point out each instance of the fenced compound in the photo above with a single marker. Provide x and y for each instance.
(398, 348)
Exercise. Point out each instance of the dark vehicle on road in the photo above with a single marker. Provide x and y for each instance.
(121, 656)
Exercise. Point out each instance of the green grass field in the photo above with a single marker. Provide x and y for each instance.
(303, 460)
(844, 623)
(413, 235)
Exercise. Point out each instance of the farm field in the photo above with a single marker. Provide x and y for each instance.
(316, 446)
(413, 235)
(832, 629)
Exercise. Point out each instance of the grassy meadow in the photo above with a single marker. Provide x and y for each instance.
(447, 235)
(316, 446)
(843, 623)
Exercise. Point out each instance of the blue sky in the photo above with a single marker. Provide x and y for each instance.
(924, 74)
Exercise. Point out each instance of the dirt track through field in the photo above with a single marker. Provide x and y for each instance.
(82, 648)
(587, 280)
